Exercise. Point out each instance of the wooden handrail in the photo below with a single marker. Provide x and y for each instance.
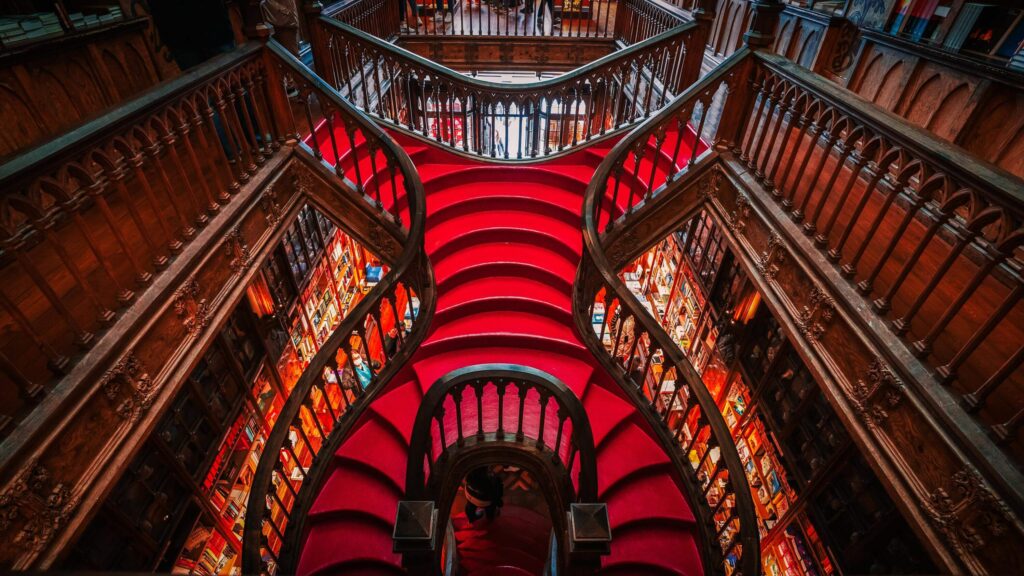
(688, 424)
(275, 529)
(501, 122)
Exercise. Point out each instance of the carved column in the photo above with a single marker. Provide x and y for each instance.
(763, 22)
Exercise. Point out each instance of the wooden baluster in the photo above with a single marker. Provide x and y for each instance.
(544, 397)
(850, 268)
(522, 389)
(758, 82)
(478, 390)
(279, 469)
(114, 171)
(803, 122)
(771, 102)
(233, 126)
(56, 362)
(883, 304)
(811, 225)
(949, 370)
(557, 447)
(350, 131)
(456, 395)
(975, 400)
(249, 133)
(321, 385)
(816, 129)
(135, 158)
(917, 202)
(874, 173)
(153, 150)
(46, 228)
(439, 417)
(993, 258)
(1007, 431)
(256, 97)
(964, 238)
(28, 391)
(659, 141)
(183, 130)
(700, 129)
(301, 434)
(501, 385)
(169, 140)
(788, 115)
(307, 403)
(831, 138)
(329, 116)
(227, 175)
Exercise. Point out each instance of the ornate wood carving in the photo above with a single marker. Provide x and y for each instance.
(814, 318)
(877, 393)
(191, 308)
(129, 388)
(878, 387)
(71, 451)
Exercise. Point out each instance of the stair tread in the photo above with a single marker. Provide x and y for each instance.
(647, 545)
(322, 553)
(376, 446)
(626, 451)
(508, 222)
(523, 323)
(399, 406)
(375, 497)
(504, 252)
(606, 410)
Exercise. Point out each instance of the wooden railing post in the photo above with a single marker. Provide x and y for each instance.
(763, 21)
(318, 40)
(704, 15)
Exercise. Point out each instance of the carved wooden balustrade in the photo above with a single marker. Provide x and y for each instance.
(178, 195)
(90, 220)
(627, 184)
(278, 503)
(893, 257)
(501, 121)
(928, 236)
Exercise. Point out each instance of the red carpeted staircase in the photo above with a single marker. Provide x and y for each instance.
(505, 243)
(516, 542)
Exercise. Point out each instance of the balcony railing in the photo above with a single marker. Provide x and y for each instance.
(278, 503)
(641, 167)
(508, 122)
(627, 21)
(929, 237)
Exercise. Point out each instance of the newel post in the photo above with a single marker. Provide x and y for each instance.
(763, 21)
(704, 15)
(318, 40)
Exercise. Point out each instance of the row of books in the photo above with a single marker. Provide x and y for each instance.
(18, 28)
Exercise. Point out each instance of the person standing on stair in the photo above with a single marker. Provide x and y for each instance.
(484, 490)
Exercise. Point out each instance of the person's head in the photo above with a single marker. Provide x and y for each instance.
(357, 359)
